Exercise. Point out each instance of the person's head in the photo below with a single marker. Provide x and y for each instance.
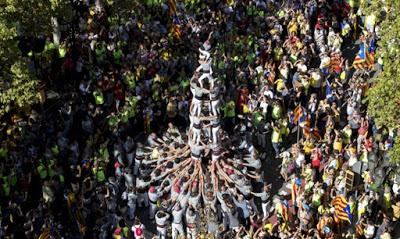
(370, 221)
(161, 214)
(137, 221)
(190, 211)
(223, 188)
(240, 198)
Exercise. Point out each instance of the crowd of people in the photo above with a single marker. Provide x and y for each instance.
(139, 138)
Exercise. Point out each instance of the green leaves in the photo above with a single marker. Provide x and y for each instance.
(384, 97)
(19, 88)
(29, 18)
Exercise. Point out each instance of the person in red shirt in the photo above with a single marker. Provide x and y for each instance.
(362, 133)
(118, 94)
(316, 157)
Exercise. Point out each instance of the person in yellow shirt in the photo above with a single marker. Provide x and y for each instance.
(292, 27)
(347, 133)
(276, 138)
(396, 211)
(338, 142)
(308, 145)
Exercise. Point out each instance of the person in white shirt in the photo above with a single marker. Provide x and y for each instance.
(139, 152)
(194, 200)
(370, 229)
(204, 54)
(153, 140)
(195, 134)
(128, 178)
(193, 121)
(300, 160)
(130, 196)
(153, 197)
(177, 221)
(203, 77)
(197, 100)
(161, 222)
(215, 106)
(216, 127)
(264, 105)
(264, 196)
(192, 220)
(143, 198)
(243, 205)
(138, 229)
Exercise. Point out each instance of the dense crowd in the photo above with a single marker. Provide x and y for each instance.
(88, 162)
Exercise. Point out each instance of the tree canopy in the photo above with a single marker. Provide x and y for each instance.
(29, 19)
(384, 96)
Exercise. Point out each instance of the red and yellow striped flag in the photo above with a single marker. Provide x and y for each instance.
(171, 7)
(341, 209)
(298, 113)
(45, 234)
(359, 230)
(316, 134)
(176, 31)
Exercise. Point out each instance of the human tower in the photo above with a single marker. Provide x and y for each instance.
(205, 160)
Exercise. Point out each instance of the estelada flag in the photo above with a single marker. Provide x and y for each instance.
(365, 57)
(298, 113)
(305, 123)
(342, 209)
(339, 202)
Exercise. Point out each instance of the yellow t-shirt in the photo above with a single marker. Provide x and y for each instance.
(155, 154)
(308, 147)
(396, 212)
(337, 145)
(293, 27)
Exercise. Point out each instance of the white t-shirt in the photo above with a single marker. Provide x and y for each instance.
(352, 160)
(138, 231)
(370, 231)
(264, 106)
(300, 160)
(269, 94)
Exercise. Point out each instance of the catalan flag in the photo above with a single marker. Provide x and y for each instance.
(176, 31)
(296, 183)
(305, 123)
(365, 57)
(171, 7)
(359, 229)
(298, 113)
(342, 209)
(316, 134)
(45, 234)
(176, 28)
(324, 226)
(282, 210)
